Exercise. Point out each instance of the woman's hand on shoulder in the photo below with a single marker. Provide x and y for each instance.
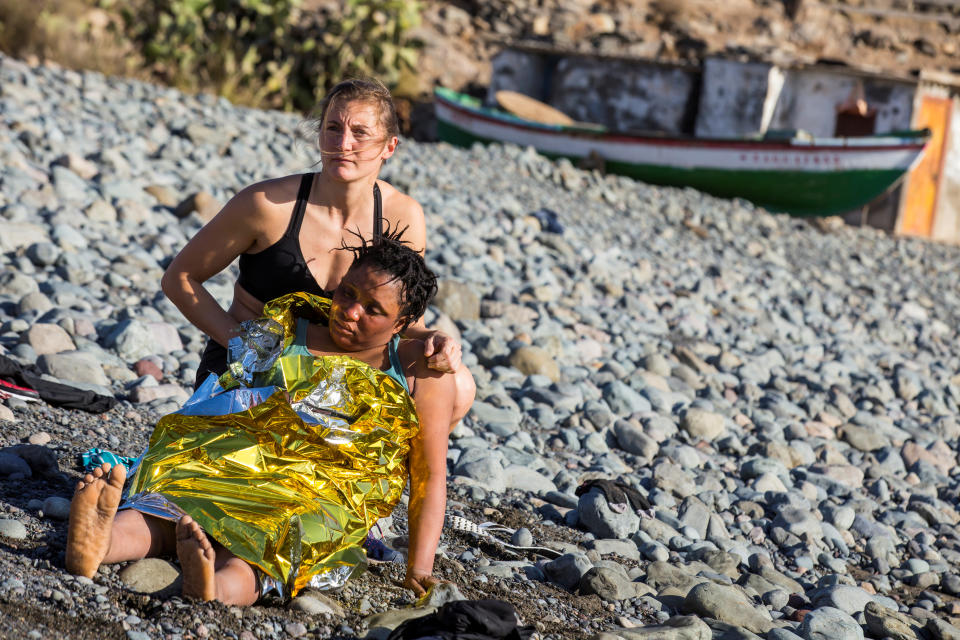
(442, 352)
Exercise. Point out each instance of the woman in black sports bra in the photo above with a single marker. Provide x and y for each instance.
(286, 231)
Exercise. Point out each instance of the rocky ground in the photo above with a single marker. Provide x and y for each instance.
(783, 395)
(461, 37)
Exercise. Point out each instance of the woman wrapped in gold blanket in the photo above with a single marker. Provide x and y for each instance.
(270, 477)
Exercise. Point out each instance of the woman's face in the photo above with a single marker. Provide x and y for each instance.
(353, 142)
(365, 310)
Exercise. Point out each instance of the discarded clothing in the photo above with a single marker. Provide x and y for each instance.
(55, 393)
(289, 473)
(466, 620)
(618, 494)
(10, 390)
(94, 458)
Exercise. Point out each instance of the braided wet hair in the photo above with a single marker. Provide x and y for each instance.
(392, 255)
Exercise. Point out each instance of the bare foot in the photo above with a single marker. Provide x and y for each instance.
(196, 560)
(92, 510)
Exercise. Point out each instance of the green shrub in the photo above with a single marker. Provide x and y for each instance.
(266, 52)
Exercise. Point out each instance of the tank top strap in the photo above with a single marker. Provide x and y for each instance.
(303, 196)
(377, 214)
(301, 338)
(396, 367)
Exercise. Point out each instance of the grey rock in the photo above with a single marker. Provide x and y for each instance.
(440, 594)
(863, 438)
(526, 479)
(799, 522)
(133, 339)
(485, 469)
(703, 424)
(941, 629)
(623, 400)
(847, 598)
(676, 628)
(12, 529)
(15, 284)
(567, 570)
(46, 338)
(457, 301)
(56, 507)
(316, 603)
(153, 576)
(632, 439)
(503, 420)
(779, 633)
(17, 235)
(35, 302)
(840, 517)
(828, 623)
(43, 254)
(597, 516)
(727, 604)
(75, 366)
(531, 360)
(521, 537)
(622, 548)
(694, 513)
(662, 574)
(672, 478)
(886, 623)
(776, 599)
(609, 584)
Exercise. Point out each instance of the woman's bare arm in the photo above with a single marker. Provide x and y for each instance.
(443, 353)
(434, 395)
(233, 231)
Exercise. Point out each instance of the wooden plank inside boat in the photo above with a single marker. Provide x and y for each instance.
(528, 108)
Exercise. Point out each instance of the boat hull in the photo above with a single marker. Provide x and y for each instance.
(797, 178)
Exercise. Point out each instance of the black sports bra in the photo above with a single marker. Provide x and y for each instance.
(281, 268)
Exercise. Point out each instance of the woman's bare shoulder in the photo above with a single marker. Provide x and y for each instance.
(272, 193)
(404, 212)
(399, 205)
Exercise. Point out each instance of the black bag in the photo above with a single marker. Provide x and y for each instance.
(466, 620)
(59, 395)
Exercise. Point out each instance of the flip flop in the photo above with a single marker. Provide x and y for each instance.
(484, 529)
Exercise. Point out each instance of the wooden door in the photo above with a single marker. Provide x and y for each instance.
(923, 183)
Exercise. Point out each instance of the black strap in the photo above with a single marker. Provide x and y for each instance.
(377, 214)
(303, 195)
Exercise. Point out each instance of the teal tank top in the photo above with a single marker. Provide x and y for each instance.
(299, 347)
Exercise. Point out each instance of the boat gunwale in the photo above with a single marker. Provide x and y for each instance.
(817, 145)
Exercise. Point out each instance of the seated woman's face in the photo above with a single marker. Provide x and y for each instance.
(365, 309)
(352, 140)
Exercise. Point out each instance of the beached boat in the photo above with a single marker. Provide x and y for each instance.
(795, 174)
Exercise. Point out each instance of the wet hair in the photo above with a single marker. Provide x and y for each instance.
(395, 257)
(369, 90)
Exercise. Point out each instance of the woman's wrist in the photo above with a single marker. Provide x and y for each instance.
(413, 571)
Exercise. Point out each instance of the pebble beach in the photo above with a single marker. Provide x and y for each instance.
(784, 395)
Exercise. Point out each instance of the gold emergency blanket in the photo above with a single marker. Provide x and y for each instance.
(292, 483)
